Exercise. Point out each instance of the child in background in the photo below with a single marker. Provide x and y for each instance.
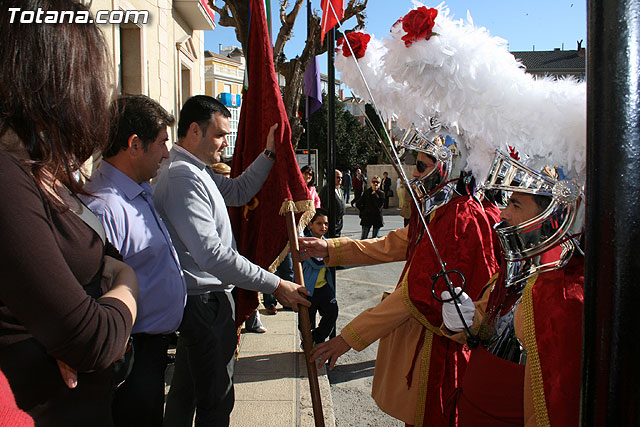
(318, 280)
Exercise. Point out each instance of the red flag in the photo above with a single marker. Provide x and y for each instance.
(259, 227)
(329, 17)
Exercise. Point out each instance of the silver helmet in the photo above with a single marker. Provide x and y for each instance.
(523, 244)
(432, 190)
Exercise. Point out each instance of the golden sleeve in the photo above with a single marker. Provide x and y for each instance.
(390, 248)
(376, 322)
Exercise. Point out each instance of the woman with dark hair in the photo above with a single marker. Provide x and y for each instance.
(310, 177)
(66, 309)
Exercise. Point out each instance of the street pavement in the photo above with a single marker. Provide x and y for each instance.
(359, 288)
(271, 384)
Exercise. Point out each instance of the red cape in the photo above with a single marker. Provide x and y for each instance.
(553, 337)
(463, 236)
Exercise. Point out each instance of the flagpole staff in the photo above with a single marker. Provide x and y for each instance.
(305, 323)
(306, 111)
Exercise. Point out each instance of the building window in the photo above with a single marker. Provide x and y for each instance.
(131, 72)
(185, 83)
(233, 134)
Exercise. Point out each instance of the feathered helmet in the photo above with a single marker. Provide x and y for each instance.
(433, 65)
(524, 244)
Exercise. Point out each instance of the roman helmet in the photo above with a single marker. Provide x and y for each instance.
(525, 244)
(434, 189)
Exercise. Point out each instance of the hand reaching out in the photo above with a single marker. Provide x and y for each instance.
(329, 351)
(313, 247)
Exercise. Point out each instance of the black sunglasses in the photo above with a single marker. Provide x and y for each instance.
(375, 182)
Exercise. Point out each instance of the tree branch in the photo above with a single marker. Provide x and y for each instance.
(226, 20)
(287, 20)
(283, 11)
(235, 13)
(356, 8)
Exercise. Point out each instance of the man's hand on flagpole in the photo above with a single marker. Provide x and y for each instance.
(271, 139)
(291, 294)
(313, 247)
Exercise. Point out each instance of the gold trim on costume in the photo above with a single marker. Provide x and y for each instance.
(252, 205)
(533, 358)
(425, 362)
(338, 248)
(356, 337)
(308, 210)
(404, 284)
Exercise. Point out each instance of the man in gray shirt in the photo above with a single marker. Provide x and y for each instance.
(192, 200)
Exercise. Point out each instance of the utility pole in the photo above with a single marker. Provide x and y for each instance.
(611, 347)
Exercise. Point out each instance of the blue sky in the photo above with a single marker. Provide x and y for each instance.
(545, 24)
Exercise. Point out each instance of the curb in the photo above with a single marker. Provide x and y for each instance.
(305, 406)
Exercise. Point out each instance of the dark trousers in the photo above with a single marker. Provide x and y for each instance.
(285, 272)
(356, 195)
(203, 376)
(323, 301)
(365, 232)
(139, 401)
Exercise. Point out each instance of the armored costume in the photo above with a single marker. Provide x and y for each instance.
(529, 321)
(417, 369)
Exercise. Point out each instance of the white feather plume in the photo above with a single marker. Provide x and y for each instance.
(474, 84)
(383, 88)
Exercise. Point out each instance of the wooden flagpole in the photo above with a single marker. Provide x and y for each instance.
(304, 323)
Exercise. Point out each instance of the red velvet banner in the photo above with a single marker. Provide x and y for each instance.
(259, 228)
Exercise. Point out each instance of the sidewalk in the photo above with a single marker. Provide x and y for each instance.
(271, 383)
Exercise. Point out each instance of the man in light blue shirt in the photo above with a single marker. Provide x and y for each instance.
(193, 200)
(122, 199)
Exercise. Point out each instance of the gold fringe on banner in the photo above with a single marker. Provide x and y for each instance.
(308, 209)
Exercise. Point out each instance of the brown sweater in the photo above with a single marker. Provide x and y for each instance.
(46, 256)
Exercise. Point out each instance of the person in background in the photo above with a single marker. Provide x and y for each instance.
(370, 207)
(346, 185)
(339, 201)
(386, 187)
(121, 199)
(400, 192)
(310, 177)
(318, 280)
(253, 322)
(66, 307)
(359, 182)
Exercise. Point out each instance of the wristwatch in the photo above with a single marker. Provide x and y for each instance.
(270, 154)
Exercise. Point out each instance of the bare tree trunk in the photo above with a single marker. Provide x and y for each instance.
(235, 13)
